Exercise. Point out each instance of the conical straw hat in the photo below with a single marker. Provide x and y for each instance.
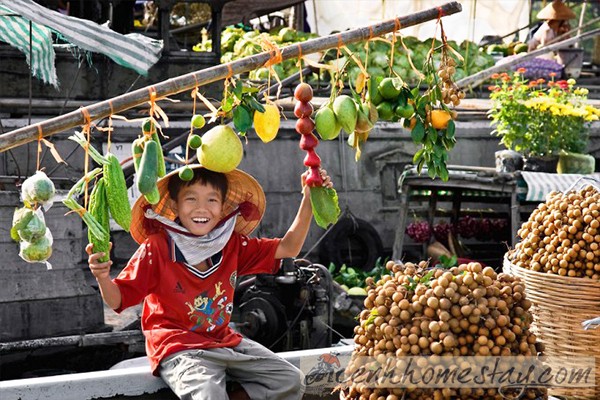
(242, 188)
(556, 10)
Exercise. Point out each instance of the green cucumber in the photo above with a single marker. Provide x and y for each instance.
(147, 174)
(160, 158)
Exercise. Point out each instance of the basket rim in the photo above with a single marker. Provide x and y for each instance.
(554, 278)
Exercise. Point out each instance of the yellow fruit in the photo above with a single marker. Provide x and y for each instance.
(266, 124)
(357, 291)
(221, 149)
(440, 119)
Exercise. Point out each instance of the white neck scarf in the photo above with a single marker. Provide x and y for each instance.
(196, 249)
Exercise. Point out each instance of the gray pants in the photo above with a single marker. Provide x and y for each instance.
(201, 374)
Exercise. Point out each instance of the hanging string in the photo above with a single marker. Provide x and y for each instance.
(276, 58)
(110, 127)
(299, 63)
(397, 27)
(86, 164)
(152, 101)
(39, 146)
(49, 145)
(194, 96)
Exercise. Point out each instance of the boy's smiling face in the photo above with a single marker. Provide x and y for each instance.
(199, 207)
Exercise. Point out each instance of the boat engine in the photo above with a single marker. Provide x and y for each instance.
(290, 310)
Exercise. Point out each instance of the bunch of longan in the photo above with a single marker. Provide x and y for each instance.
(451, 93)
(462, 311)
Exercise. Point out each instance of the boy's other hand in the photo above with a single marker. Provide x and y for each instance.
(101, 270)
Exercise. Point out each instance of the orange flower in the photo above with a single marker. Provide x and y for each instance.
(495, 76)
(521, 70)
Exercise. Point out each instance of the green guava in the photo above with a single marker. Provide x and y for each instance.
(38, 188)
(38, 251)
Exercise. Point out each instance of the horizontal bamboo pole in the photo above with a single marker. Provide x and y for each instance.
(205, 76)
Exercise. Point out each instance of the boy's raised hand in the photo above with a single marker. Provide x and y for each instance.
(326, 179)
(100, 270)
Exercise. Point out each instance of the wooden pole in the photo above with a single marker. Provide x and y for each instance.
(202, 77)
(479, 77)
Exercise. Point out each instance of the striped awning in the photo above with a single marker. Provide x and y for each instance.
(14, 30)
(539, 184)
(131, 51)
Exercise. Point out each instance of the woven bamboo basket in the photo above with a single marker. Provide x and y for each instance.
(559, 305)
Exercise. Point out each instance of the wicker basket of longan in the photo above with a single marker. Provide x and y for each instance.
(558, 259)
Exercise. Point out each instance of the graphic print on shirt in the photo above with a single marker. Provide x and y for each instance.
(207, 312)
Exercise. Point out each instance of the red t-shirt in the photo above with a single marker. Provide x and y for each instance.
(185, 308)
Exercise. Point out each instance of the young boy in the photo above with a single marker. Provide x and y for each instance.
(193, 245)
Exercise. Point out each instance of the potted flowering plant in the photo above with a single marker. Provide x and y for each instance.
(539, 118)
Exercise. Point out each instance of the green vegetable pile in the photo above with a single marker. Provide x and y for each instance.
(349, 277)
(238, 42)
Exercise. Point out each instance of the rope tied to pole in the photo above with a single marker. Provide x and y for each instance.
(194, 95)
(275, 58)
(39, 146)
(299, 63)
(87, 127)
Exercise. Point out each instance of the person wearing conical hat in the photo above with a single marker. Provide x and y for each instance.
(194, 244)
(556, 16)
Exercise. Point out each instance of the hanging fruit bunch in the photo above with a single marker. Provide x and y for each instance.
(419, 231)
(28, 225)
(324, 201)
(220, 148)
(194, 142)
(375, 96)
(242, 106)
(353, 113)
(108, 197)
(96, 217)
(461, 311)
(432, 126)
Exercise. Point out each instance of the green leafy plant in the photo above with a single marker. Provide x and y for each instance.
(447, 262)
(539, 118)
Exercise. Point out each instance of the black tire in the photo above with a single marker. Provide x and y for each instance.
(352, 241)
